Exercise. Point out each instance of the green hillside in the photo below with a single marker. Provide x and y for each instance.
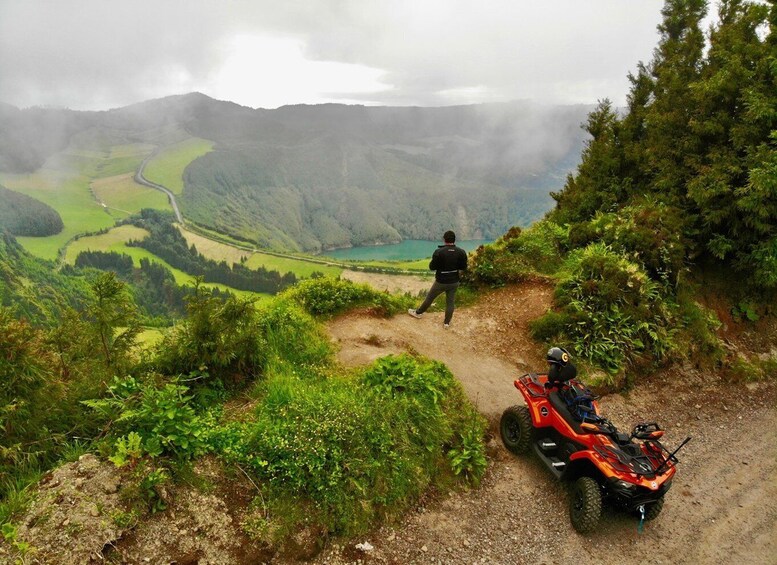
(327, 194)
(80, 387)
(22, 215)
(32, 289)
(116, 240)
(299, 178)
(63, 184)
(123, 197)
(168, 165)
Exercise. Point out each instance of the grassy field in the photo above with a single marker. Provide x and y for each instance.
(227, 248)
(63, 184)
(149, 337)
(120, 159)
(416, 265)
(70, 181)
(116, 239)
(214, 249)
(231, 254)
(300, 268)
(167, 167)
(124, 197)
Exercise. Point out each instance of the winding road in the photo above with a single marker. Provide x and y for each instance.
(140, 179)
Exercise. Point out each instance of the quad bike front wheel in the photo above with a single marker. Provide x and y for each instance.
(516, 429)
(585, 505)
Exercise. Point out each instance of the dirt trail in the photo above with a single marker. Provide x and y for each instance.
(474, 348)
(723, 504)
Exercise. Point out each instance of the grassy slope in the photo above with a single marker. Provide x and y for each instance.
(63, 184)
(219, 251)
(167, 167)
(213, 249)
(66, 183)
(415, 265)
(124, 197)
(149, 337)
(115, 240)
(123, 159)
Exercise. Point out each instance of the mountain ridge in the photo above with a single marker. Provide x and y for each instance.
(313, 177)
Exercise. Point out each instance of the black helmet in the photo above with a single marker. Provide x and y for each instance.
(558, 355)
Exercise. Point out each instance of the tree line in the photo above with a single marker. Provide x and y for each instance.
(167, 243)
(697, 142)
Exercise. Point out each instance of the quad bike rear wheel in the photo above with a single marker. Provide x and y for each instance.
(585, 505)
(516, 429)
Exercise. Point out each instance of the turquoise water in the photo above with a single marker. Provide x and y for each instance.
(409, 249)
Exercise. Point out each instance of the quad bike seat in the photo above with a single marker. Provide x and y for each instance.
(561, 407)
(577, 400)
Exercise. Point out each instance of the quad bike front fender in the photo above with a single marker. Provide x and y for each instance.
(587, 459)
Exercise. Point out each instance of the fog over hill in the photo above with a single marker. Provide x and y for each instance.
(312, 177)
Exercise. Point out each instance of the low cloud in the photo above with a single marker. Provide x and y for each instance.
(91, 54)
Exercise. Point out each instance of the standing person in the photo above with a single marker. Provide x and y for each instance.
(447, 260)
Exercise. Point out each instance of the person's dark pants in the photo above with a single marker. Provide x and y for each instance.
(436, 290)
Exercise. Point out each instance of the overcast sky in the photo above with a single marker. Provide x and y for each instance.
(100, 54)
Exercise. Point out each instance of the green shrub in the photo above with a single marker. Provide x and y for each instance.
(18, 491)
(769, 368)
(612, 311)
(761, 263)
(468, 454)
(743, 370)
(46, 375)
(491, 265)
(152, 418)
(26, 374)
(220, 338)
(646, 232)
(518, 254)
(349, 450)
(698, 340)
(549, 327)
(328, 296)
(542, 246)
(293, 339)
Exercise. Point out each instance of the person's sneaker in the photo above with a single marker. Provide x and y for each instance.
(446, 326)
(413, 313)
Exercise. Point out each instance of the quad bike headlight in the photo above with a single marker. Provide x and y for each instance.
(622, 488)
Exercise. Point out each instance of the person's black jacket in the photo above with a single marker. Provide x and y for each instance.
(448, 260)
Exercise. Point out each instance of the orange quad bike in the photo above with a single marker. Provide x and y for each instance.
(579, 446)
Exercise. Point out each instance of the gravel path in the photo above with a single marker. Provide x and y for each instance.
(722, 507)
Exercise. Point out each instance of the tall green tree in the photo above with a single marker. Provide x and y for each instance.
(731, 121)
(25, 380)
(599, 182)
(677, 63)
(634, 128)
(114, 318)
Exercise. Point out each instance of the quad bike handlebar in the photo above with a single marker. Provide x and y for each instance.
(647, 430)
